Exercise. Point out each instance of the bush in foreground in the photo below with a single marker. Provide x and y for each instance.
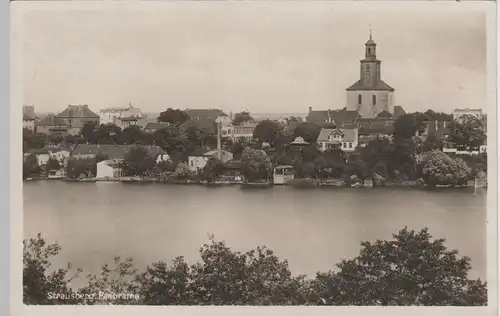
(412, 269)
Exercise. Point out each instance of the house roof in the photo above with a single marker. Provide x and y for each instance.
(27, 117)
(51, 120)
(214, 152)
(204, 113)
(38, 151)
(325, 133)
(202, 123)
(384, 114)
(350, 134)
(318, 116)
(299, 141)
(157, 125)
(78, 111)
(374, 130)
(380, 85)
(198, 152)
(398, 111)
(338, 116)
(115, 151)
(113, 163)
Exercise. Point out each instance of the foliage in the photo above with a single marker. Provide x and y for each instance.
(308, 131)
(39, 284)
(255, 164)
(268, 131)
(181, 171)
(132, 135)
(100, 157)
(212, 170)
(243, 117)
(108, 134)
(87, 131)
(176, 117)
(163, 167)
(411, 269)
(75, 168)
(52, 164)
(30, 166)
(441, 169)
(33, 141)
(467, 133)
(137, 162)
(405, 126)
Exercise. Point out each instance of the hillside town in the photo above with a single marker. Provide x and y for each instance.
(369, 140)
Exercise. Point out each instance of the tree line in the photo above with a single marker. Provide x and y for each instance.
(413, 268)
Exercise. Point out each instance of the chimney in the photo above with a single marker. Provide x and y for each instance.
(310, 109)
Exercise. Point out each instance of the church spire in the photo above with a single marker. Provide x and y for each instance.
(370, 47)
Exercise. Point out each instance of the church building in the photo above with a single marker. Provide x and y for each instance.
(370, 95)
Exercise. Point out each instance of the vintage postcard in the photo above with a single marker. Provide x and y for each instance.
(255, 153)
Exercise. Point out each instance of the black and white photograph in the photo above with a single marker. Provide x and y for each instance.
(255, 153)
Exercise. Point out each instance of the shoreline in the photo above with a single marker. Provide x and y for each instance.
(328, 184)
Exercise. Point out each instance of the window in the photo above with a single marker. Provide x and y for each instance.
(350, 145)
(192, 163)
(360, 99)
(374, 100)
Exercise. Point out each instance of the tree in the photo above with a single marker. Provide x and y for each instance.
(108, 134)
(39, 284)
(268, 131)
(412, 269)
(30, 166)
(33, 141)
(132, 135)
(52, 164)
(243, 117)
(441, 169)
(75, 168)
(137, 162)
(255, 164)
(212, 170)
(87, 131)
(406, 126)
(163, 167)
(100, 157)
(308, 131)
(181, 171)
(176, 117)
(467, 132)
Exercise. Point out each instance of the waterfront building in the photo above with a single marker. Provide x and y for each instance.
(283, 174)
(332, 138)
(109, 169)
(85, 151)
(76, 116)
(199, 158)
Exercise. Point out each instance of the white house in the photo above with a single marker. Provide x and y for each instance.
(60, 155)
(43, 155)
(109, 169)
(29, 122)
(458, 113)
(198, 159)
(122, 117)
(345, 139)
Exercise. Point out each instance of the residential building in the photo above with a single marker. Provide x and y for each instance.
(29, 122)
(205, 124)
(298, 144)
(210, 114)
(51, 125)
(370, 95)
(341, 118)
(152, 127)
(109, 169)
(76, 116)
(29, 110)
(331, 138)
(44, 154)
(458, 113)
(84, 151)
(243, 132)
(122, 117)
(199, 158)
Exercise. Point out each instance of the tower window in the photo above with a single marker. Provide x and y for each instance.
(360, 99)
(374, 100)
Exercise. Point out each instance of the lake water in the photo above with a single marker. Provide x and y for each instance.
(313, 229)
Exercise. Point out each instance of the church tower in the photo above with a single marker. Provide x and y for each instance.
(370, 95)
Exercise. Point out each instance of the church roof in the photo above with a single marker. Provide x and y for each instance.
(380, 85)
(384, 114)
(370, 42)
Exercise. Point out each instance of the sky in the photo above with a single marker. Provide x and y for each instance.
(273, 57)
